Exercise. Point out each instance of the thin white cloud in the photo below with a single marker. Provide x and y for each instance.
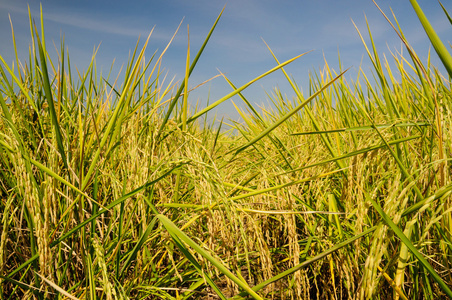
(94, 22)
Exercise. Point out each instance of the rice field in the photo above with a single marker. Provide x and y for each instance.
(124, 191)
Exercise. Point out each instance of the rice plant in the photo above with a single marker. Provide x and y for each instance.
(118, 189)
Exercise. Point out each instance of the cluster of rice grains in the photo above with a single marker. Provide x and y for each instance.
(122, 191)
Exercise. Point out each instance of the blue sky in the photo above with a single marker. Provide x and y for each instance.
(236, 48)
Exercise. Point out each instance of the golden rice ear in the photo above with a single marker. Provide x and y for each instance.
(119, 191)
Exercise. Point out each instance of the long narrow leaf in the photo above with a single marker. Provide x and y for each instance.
(287, 116)
(192, 66)
(113, 204)
(181, 235)
(310, 261)
(235, 92)
(48, 93)
(438, 45)
(363, 128)
(410, 246)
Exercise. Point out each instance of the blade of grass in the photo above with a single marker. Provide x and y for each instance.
(57, 288)
(113, 204)
(91, 281)
(300, 97)
(192, 66)
(446, 12)
(132, 256)
(187, 74)
(410, 246)
(285, 117)
(20, 284)
(433, 94)
(48, 93)
(438, 45)
(112, 125)
(93, 217)
(175, 231)
(235, 92)
(50, 172)
(353, 153)
(187, 253)
(184, 110)
(310, 261)
(364, 127)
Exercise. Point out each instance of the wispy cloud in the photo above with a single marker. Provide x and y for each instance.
(95, 24)
(103, 23)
